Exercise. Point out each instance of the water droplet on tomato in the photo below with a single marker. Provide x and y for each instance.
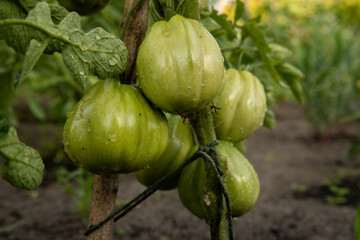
(112, 137)
(166, 33)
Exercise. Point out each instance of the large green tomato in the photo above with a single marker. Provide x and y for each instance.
(113, 129)
(84, 7)
(180, 65)
(240, 179)
(241, 104)
(181, 141)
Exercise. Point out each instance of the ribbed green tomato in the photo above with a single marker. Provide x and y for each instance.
(113, 129)
(84, 7)
(181, 141)
(180, 65)
(241, 104)
(240, 179)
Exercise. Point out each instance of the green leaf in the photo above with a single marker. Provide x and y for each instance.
(224, 23)
(57, 12)
(251, 29)
(14, 35)
(4, 126)
(269, 120)
(37, 25)
(239, 11)
(8, 67)
(97, 51)
(291, 75)
(32, 55)
(23, 167)
(210, 24)
(357, 224)
(36, 109)
(351, 118)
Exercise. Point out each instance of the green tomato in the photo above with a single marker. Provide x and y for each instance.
(113, 129)
(240, 179)
(180, 65)
(241, 104)
(181, 141)
(84, 7)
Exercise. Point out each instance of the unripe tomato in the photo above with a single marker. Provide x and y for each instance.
(84, 7)
(240, 179)
(241, 104)
(113, 129)
(179, 65)
(181, 141)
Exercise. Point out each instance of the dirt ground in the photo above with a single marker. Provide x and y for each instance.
(291, 166)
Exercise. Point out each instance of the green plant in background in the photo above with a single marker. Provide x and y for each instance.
(77, 183)
(338, 193)
(326, 43)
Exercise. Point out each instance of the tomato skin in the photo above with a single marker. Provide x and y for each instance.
(240, 179)
(113, 129)
(241, 104)
(84, 7)
(180, 65)
(181, 141)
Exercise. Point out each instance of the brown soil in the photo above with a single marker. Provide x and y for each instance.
(291, 167)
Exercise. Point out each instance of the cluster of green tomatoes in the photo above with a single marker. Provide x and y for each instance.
(122, 128)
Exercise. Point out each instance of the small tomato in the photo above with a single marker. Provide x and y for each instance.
(181, 141)
(240, 179)
(241, 104)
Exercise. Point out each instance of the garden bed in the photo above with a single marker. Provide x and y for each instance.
(291, 165)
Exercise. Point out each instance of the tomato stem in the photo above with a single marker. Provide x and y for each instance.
(128, 18)
(192, 9)
(135, 23)
(103, 199)
(202, 121)
(170, 12)
(180, 7)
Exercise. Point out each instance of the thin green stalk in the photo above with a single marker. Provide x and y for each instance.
(180, 7)
(170, 12)
(192, 9)
(154, 13)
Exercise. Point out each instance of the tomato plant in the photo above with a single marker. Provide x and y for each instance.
(114, 129)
